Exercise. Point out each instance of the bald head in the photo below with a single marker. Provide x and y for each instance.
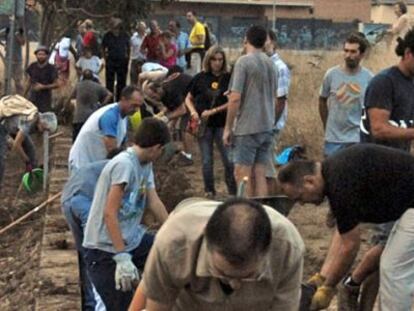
(239, 230)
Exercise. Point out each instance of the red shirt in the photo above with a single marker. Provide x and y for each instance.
(151, 43)
(89, 39)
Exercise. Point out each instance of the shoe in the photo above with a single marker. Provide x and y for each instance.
(348, 297)
(184, 161)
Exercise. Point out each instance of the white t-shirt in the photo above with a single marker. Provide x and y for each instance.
(89, 146)
(148, 66)
(136, 41)
(93, 64)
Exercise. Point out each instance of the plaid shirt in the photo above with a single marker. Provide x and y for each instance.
(283, 83)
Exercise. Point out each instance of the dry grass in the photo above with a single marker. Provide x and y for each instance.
(307, 70)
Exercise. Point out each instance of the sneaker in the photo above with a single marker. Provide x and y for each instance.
(348, 297)
(184, 161)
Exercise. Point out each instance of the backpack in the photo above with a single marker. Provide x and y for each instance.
(207, 40)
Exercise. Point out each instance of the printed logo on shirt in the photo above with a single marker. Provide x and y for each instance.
(401, 123)
(348, 94)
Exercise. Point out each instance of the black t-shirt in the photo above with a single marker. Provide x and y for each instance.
(44, 75)
(207, 90)
(117, 47)
(393, 91)
(368, 183)
(175, 91)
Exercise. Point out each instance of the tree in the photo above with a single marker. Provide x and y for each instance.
(60, 16)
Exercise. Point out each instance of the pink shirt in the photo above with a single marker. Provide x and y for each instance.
(172, 60)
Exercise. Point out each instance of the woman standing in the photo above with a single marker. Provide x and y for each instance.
(168, 50)
(208, 105)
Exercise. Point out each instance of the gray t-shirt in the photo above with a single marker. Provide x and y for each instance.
(255, 78)
(89, 95)
(345, 93)
(17, 123)
(126, 169)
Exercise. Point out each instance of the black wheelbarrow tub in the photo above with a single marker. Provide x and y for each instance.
(280, 203)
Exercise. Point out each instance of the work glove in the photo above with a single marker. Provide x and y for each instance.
(126, 274)
(322, 298)
(316, 280)
(29, 167)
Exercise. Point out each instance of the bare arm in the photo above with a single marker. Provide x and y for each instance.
(156, 206)
(343, 261)
(107, 98)
(18, 146)
(152, 305)
(233, 108)
(399, 25)
(113, 204)
(323, 110)
(382, 129)
(279, 107)
(180, 111)
(139, 300)
(28, 84)
(189, 103)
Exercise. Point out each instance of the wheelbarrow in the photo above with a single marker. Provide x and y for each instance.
(280, 203)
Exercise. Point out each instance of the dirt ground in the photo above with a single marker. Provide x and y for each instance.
(19, 255)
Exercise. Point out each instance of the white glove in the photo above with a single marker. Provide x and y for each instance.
(126, 274)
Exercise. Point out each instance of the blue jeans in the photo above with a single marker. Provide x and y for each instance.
(101, 269)
(215, 135)
(76, 211)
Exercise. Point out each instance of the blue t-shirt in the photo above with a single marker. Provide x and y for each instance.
(83, 181)
(108, 122)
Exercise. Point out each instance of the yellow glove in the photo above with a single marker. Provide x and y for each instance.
(322, 298)
(316, 280)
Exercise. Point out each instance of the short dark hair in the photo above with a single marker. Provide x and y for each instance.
(192, 12)
(294, 171)
(239, 230)
(256, 35)
(151, 132)
(402, 6)
(128, 91)
(358, 38)
(177, 23)
(272, 35)
(406, 43)
(87, 74)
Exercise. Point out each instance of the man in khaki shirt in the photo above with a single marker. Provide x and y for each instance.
(237, 255)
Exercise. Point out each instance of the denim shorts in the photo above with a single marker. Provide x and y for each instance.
(331, 148)
(252, 149)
